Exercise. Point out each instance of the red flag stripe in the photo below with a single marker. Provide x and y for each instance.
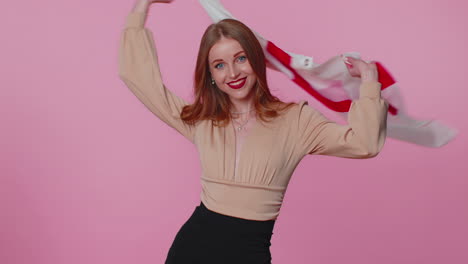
(341, 106)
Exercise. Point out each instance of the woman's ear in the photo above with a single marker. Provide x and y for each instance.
(210, 77)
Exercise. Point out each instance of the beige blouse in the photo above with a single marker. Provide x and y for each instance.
(255, 188)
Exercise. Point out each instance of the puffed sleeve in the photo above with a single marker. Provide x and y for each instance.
(363, 137)
(139, 70)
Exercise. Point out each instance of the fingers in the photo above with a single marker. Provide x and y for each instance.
(346, 59)
(359, 63)
(348, 63)
(361, 68)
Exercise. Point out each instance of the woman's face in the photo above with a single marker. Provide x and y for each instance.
(231, 70)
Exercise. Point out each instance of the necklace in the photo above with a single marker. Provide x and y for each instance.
(241, 125)
(245, 123)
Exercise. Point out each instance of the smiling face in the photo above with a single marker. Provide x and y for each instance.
(231, 70)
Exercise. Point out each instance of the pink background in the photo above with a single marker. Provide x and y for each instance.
(89, 175)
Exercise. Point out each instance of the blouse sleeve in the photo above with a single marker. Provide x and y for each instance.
(139, 70)
(363, 137)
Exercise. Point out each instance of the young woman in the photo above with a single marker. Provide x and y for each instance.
(249, 141)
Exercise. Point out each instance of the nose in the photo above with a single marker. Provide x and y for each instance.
(233, 72)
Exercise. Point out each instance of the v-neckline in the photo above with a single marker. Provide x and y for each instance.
(253, 129)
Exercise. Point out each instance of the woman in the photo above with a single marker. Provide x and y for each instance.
(249, 141)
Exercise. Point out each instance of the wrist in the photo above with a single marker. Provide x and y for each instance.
(369, 76)
(370, 89)
(141, 6)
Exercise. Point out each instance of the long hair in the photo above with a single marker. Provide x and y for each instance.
(213, 104)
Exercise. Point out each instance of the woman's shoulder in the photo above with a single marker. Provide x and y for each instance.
(288, 107)
(287, 110)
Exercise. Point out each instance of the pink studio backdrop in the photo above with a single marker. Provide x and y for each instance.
(90, 176)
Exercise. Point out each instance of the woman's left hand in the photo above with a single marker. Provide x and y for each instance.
(360, 68)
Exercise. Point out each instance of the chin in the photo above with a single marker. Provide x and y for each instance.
(241, 95)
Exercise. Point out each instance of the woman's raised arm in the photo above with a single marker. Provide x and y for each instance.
(139, 70)
(365, 134)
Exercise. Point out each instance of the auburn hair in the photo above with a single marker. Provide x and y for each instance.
(213, 104)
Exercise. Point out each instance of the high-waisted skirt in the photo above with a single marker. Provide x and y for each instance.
(210, 237)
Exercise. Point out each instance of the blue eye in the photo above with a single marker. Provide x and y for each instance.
(242, 58)
(219, 66)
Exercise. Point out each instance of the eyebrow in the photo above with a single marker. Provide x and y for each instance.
(239, 52)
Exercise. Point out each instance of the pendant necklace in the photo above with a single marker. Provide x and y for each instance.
(241, 125)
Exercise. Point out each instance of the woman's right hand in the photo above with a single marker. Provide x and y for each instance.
(367, 71)
(142, 5)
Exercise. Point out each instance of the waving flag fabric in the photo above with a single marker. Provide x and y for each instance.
(332, 85)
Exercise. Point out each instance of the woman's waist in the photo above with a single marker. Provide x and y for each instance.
(241, 200)
(228, 223)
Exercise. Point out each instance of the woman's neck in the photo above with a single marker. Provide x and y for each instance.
(242, 107)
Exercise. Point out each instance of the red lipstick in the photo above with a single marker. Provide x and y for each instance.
(238, 83)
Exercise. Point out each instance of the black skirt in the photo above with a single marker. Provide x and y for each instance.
(209, 237)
